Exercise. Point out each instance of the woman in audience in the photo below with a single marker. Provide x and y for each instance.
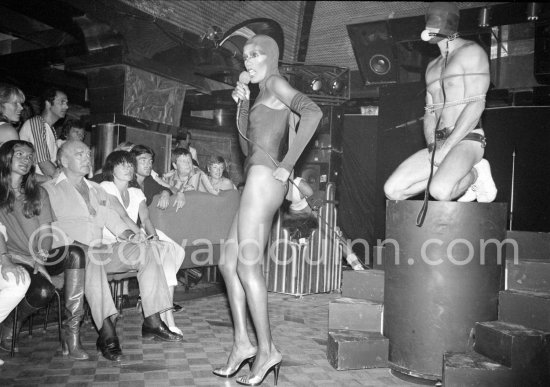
(185, 176)
(217, 175)
(26, 213)
(11, 106)
(14, 280)
(267, 170)
(118, 172)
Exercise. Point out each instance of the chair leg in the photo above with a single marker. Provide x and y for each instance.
(59, 307)
(31, 322)
(14, 332)
(46, 319)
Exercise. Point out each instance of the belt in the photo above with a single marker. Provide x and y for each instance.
(443, 134)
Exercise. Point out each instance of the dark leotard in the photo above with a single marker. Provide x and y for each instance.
(268, 132)
(265, 132)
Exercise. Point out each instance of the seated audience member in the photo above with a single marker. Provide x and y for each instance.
(25, 210)
(81, 209)
(150, 187)
(301, 219)
(298, 192)
(217, 175)
(14, 280)
(11, 106)
(185, 176)
(98, 174)
(74, 130)
(144, 168)
(118, 172)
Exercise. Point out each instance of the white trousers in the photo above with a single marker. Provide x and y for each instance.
(11, 293)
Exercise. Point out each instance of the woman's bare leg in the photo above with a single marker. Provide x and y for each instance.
(262, 196)
(242, 347)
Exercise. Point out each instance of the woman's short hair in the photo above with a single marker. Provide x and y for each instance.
(214, 159)
(115, 159)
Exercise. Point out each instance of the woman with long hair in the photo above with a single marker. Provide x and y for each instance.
(264, 133)
(25, 211)
(11, 106)
(118, 172)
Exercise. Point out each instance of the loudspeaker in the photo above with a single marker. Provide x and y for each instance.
(321, 160)
(542, 53)
(373, 48)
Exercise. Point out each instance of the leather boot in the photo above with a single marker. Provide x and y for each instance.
(25, 310)
(74, 312)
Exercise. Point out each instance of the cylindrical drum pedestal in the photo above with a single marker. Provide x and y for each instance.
(440, 279)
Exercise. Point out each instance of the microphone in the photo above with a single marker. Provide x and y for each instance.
(244, 77)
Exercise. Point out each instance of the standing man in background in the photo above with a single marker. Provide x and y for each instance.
(40, 132)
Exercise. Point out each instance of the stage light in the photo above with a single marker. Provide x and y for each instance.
(316, 84)
(336, 86)
(533, 10)
(483, 19)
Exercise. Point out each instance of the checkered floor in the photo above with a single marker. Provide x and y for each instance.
(299, 326)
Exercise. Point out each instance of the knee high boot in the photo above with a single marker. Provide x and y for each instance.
(25, 310)
(74, 312)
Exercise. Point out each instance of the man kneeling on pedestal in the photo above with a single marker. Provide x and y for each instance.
(456, 84)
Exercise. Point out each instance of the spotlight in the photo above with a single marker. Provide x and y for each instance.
(316, 84)
(533, 10)
(483, 19)
(336, 85)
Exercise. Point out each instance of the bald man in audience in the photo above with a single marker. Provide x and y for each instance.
(81, 210)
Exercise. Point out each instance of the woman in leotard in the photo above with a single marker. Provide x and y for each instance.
(264, 134)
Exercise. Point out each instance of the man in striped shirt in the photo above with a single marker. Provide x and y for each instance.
(40, 132)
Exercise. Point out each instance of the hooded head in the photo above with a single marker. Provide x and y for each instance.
(263, 45)
(441, 18)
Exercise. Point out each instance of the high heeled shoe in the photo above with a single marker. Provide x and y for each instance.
(232, 372)
(273, 364)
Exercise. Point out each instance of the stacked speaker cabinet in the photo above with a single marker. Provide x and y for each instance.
(321, 160)
(373, 47)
